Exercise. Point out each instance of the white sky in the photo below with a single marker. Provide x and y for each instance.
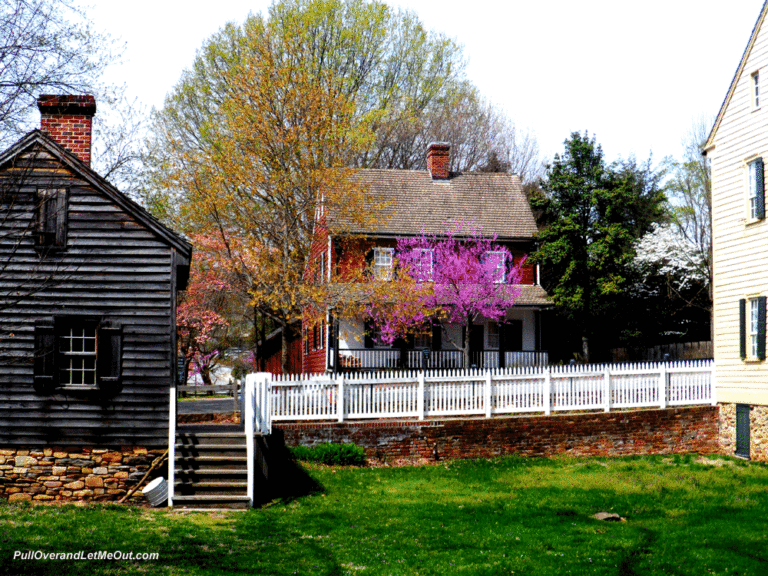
(634, 74)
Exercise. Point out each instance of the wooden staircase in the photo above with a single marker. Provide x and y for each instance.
(210, 468)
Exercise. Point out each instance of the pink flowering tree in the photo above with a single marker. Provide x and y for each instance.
(455, 278)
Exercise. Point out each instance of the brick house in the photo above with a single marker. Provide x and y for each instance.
(87, 317)
(427, 201)
(737, 148)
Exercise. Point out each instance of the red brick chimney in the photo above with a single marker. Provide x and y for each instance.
(438, 160)
(68, 120)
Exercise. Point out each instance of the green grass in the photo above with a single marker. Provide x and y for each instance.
(684, 515)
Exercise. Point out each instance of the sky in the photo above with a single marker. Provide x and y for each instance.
(635, 75)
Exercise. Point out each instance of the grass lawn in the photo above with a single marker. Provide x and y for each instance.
(684, 515)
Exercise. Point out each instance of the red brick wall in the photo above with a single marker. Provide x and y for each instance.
(674, 430)
(314, 342)
(68, 120)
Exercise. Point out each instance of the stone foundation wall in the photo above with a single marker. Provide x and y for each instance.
(673, 430)
(75, 474)
(758, 431)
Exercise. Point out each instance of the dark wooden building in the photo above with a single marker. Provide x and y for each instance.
(88, 283)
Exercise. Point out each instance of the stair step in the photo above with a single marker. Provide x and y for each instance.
(211, 501)
(213, 484)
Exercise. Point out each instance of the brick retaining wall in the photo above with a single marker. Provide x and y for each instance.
(74, 474)
(673, 430)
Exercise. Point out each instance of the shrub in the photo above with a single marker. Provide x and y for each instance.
(331, 454)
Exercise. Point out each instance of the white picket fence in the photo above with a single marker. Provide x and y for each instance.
(454, 393)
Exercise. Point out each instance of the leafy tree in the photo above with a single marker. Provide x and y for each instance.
(690, 193)
(670, 296)
(457, 278)
(592, 214)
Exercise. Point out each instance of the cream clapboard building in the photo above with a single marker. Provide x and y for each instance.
(738, 149)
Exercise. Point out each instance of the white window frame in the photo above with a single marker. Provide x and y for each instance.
(382, 263)
(755, 89)
(78, 356)
(753, 328)
(422, 260)
(501, 268)
(752, 188)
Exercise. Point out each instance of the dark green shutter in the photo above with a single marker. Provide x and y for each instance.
(743, 329)
(742, 430)
(45, 357)
(761, 327)
(760, 192)
(109, 357)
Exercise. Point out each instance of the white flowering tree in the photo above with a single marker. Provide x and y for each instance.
(672, 286)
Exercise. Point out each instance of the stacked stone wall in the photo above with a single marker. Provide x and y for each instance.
(74, 474)
(758, 428)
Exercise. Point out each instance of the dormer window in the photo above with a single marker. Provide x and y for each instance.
(382, 263)
(51, 225)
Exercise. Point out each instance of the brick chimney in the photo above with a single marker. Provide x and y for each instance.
(68, 120)
(438, 160)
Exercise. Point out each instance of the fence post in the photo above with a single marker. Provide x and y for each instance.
(663, 385)
(713, 383)
(548, 391)
(340, 398)
(420, 399)
(171, 446)
(488, 393)
(608, 395)
(248, 416)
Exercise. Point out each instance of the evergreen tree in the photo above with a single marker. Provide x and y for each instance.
(591, 215)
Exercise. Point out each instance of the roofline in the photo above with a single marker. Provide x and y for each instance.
(394, 236)
(709, 144)
(87, 173)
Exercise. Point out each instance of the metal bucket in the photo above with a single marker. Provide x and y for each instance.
(156, 492)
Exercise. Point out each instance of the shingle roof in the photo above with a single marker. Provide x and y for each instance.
(493, 201)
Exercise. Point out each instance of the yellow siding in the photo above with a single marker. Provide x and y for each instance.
(740, 247)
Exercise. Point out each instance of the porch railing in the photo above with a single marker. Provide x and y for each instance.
(367, 359)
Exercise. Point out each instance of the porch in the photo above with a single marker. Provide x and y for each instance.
(373, 359)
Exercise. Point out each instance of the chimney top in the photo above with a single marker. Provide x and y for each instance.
(68, 119)
(438, 160)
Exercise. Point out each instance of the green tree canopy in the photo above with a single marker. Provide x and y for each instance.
(591, 215)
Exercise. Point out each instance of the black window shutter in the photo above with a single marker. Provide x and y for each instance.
(743, 329)
(761, 327)
(437, 336)
(45, 357)
(368, 337)
(109, 356)
(61, 206)
(760, 192)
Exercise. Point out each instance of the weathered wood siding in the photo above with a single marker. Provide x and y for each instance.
(739, 255)
(114, 268)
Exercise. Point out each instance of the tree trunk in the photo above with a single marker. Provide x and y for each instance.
(585, 348)
(284, 348)
(467, 340)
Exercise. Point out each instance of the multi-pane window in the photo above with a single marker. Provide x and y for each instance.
(382, 263)
(752, 324)
(77, 356)
(756, 189)
(424, 264)
(756, 90)
(754, 327)
(493, 335)
(498, 258)
(77, 353)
